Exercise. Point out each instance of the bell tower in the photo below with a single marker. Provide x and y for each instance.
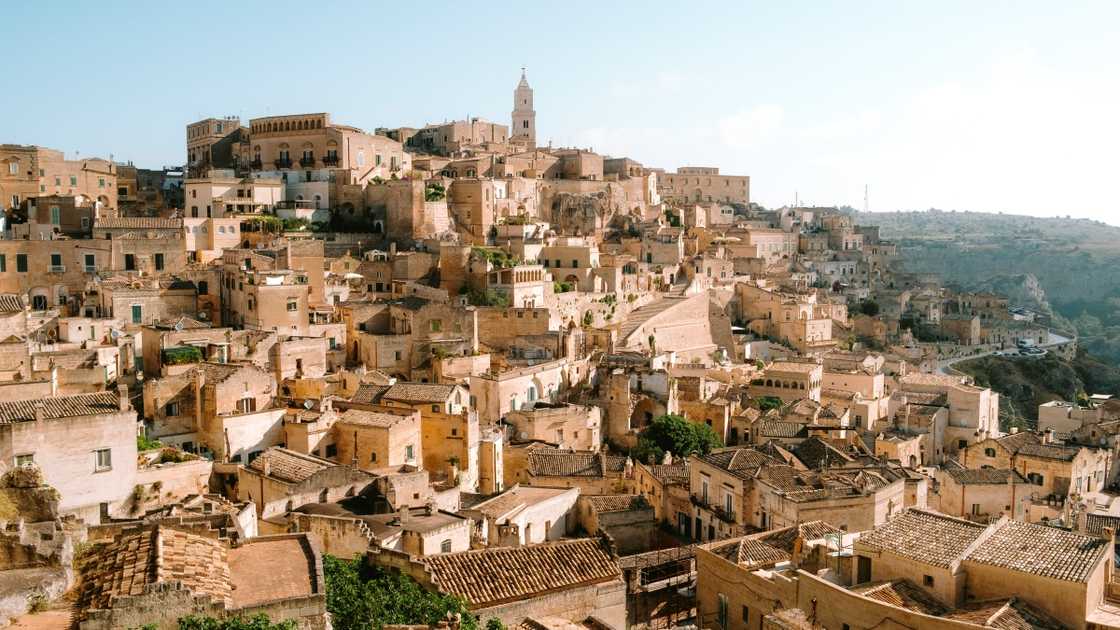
(524, 118)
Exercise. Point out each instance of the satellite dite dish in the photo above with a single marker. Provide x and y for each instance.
(179, 326)
(114, 334)
(307, 404)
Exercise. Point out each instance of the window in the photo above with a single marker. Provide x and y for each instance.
(137, 313)
(73, 180)
(293, 305)
(172, 409)
(159, 262)
(746, 615)
(373, 456)
(85, 223)
(435, 408)
(100, 182)
(90, 263)
(129, 262)
(56, 215)
(435, 325)
(247, 404)
(102, 460)
(989, 452)
(13, 168)
(722, 612)
(445, 546)
(21, 263)
(3, 263)
(56, 261)
(976, 509)
(927, 580)
(1035, 478)
(332, 450)
(408, 453)
(397, 355)
(962, 443)
(25, 460)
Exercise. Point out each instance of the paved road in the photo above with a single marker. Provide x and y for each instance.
(1054, 340)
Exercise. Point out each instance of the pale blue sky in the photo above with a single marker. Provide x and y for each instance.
(1006, 106)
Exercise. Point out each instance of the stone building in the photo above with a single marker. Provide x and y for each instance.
(702, 183)
(572, 580)
(280, 480)
(85, 444)
(156, 575)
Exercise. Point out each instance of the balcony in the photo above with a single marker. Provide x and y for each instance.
(718, 511)
(58, 268)
(330, 160)
(307, 162)
(283, 163)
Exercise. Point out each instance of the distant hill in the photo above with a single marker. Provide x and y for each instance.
(1071, 266)
(1025, 383)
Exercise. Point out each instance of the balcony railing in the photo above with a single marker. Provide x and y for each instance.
(58, 268)
(330, 160)
(307, 162)
(283, 163)
(719, 511)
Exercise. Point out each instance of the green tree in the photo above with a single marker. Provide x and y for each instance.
(676, 435)
(256, 622)
(869, 308)
(766, 403)
(361, 597)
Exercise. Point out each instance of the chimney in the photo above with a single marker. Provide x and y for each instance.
(267, 466)
(798, 547)
(1048, 437)
(122, 398)
(54, 380)
(392, 249)
(403, 514)
(40, 411)
(1014, 430)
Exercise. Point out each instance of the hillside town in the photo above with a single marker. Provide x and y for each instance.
(556, 388)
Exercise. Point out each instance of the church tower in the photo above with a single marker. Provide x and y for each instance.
(524, 118)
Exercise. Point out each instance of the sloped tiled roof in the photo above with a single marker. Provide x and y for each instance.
(372, 418)
(903, 594)
(60, 407)
(132, 562)
(548, 462)
(419, 392)
(1095, 523)
(781, 429)
(812, 530)
(603, 503)
(816, 453)
(927, 537)
(983, 476)
(287, 465)
(741, 461)
(674, 473)
(487, 577)
(11, 303)
(1005, 614)
(368, 393)
(137, 223)
(750, 553)
(1041, 550)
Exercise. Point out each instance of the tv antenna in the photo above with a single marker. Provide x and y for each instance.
(866, 206)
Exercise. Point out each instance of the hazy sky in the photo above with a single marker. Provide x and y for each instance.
(1010, 106)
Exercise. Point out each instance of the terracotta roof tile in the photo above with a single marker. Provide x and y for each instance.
(547, 462)
(132, 562)
(287, 465)
(487, 577)
(1041, 550)
(617, 502)
(903, 594)
(377, 419)
(927, 537)
(60, 407)
(983, 476)
(11, 303)
(137, 223)
(419, 392)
